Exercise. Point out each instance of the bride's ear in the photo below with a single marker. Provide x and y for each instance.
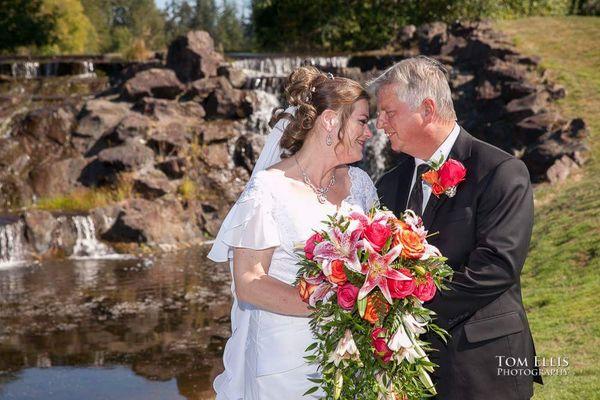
(330, 120)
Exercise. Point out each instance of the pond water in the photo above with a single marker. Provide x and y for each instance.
(151, 328)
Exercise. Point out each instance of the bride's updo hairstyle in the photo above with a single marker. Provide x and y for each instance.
(313, 92)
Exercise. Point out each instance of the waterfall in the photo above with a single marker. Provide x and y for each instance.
(86, 244)
(282, 66)
(269, 73)
(45, 69)
(88, 70)
(11, 244)
(259, 120)
(27, 69)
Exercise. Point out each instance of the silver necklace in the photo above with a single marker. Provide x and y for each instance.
(319, 191)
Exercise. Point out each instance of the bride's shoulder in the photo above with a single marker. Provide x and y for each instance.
(359, 175)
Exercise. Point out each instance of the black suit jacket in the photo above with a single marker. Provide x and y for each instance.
(484, 230)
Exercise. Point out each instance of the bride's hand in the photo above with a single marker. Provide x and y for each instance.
(253, 284)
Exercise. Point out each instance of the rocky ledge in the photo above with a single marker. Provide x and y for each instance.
(170, 146)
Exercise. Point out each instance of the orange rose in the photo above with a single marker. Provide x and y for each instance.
(375, 303)
(338, 276)
(430, 177)
(397, 227)
(305, 290)
(412, 244)
(437, 189)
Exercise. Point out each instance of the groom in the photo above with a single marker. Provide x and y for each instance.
(484, 230)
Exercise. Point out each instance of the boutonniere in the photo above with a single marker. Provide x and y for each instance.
(444, 177)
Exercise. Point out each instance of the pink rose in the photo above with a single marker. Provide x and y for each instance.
(451, 173)
(401, 289)
(309, 247)
(346, 296)
(380, 346)
(426, 290)
(377, 234)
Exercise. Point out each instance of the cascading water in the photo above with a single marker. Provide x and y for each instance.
(11, 244)
(87, 245)
(269, 73)
(281, 66)
(27, 69)
(48, 69)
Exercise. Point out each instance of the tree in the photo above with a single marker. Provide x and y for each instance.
(230, 31)
(336, 25)
(124, 24)
(22, 23)
(224, 25)
(73, 31)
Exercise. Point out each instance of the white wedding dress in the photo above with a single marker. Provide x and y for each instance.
(264, 357)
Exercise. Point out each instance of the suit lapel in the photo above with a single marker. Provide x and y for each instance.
(461, 150)
(402, 190)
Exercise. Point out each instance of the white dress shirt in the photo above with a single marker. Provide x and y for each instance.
(443, 150)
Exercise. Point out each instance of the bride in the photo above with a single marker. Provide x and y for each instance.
(301, 177)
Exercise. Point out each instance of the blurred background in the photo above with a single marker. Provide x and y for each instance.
(129, 127)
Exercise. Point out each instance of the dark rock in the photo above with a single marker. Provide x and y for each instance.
(129, 156)
(39, 228)
(236, 77)
(504, 71)
(193, 56)
(173, 167)
(556, 91)
(160, 83)
(515, 90)
(59, 178)
(529, 129)
(431, 37)
(406, 34)
(104, 218)
(152, 184)
(219, 130)
(221, 100)
(552, 146)
(99, 117)
(561, 169)
(159, 109)
(216, 155)
(54, 123)
(453, 45)
(247, 150)
(519, 109)
(169, 140)
(209, 219)
(488, 91)
(132, 126)
(161, 221)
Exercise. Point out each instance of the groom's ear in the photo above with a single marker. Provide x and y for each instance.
(428, 110)
(330, 120)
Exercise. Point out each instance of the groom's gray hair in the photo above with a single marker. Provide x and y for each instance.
(419, 78)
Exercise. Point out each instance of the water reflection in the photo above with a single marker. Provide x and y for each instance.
(164, 321)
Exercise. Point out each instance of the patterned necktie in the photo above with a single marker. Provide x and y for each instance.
(415, 201)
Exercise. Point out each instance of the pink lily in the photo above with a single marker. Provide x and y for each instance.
(380, 271)
(340, 246)
(322, 292)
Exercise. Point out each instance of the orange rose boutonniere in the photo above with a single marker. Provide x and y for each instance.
(444, 177)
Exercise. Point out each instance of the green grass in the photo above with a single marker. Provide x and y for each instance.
(85, 199)
(560, 279)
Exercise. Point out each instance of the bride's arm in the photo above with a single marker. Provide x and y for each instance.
(254, 286)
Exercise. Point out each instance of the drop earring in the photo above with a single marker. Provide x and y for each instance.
(329, 140)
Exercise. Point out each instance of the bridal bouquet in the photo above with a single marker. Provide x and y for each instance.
(367, 276)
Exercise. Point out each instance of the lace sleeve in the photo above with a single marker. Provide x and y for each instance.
(364, 189)
(250, 222)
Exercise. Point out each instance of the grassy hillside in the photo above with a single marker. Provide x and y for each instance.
(561, 282)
